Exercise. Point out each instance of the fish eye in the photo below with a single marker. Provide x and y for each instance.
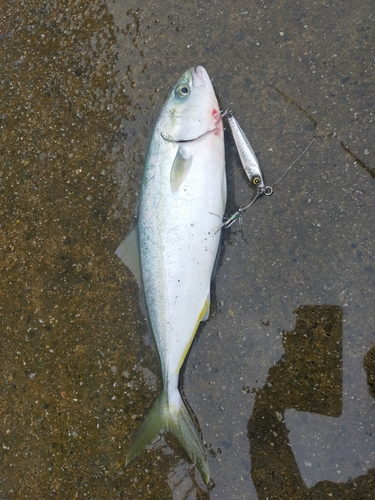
(183, 91)
(256, 180)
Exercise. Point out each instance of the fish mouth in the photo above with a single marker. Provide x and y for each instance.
(200, 76)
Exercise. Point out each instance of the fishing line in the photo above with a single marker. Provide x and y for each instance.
(268, 190)
(295, 161)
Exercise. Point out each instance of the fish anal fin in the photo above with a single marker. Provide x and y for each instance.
(180, 168)
(203, 316)
(206, 309)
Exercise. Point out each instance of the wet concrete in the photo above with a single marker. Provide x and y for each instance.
(82, 84)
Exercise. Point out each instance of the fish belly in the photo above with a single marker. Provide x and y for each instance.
(179, 242)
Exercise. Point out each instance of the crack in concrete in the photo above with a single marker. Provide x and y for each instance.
(346, 148)
(294, 103)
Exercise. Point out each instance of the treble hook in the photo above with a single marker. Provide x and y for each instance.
(266, 191)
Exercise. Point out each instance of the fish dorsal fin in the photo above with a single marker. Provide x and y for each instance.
(180, 168)
(128, 252)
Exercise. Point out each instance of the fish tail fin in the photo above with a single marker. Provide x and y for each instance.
(176, 419)
(181, 425)
(153, 424)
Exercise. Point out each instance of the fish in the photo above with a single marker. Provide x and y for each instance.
(247, 156)
(183, 186)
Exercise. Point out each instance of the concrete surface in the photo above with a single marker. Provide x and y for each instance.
(82, 84)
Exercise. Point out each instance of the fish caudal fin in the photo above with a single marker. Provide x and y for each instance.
(181, 425)
(177, 420)
(150, 428)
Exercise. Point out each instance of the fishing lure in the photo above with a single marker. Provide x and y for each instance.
(251, 167)
(247, 156)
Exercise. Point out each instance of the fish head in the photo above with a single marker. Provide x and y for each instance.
(192, 109)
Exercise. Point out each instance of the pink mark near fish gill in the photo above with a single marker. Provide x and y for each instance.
(217, 115)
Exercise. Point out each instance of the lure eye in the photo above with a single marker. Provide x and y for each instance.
(256, 181)
(183, 91)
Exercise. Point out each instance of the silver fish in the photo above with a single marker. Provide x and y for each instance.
(183, 184)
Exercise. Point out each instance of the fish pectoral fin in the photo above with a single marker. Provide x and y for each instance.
(180, 168)
(128, 252)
